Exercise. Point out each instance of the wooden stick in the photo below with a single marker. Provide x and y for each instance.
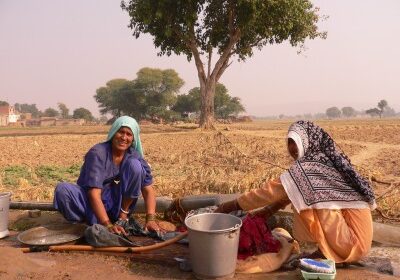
(60, 248)
(390, 189)
(385, 216)
(384, 182)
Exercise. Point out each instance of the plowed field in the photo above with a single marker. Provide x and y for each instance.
(186, 160)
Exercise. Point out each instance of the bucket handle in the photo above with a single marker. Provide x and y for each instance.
(190, 214)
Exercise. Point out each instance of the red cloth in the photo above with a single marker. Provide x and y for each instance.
(256, 238)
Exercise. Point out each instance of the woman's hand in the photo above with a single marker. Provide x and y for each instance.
(152, 226)
(114, 228)
(123, 216)
(228, 207)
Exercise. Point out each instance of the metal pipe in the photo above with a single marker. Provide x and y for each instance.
(162, 203)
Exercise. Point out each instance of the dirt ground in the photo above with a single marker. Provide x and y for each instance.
(151, 265)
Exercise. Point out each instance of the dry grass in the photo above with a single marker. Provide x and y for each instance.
(187, 161)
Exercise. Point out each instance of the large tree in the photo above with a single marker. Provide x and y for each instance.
(50, 112)
(83, 113)
(109, 97)
(349, 112)
(382, 106)
(373, 112)
(200, 29)
(64, 111)
(27, 108)
(188, 103)
(151, 94)
(160, 88)
(333, 112)
(224, 105)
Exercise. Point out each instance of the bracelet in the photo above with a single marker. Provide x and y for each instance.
(150, 217)
(109, 226)
(125, 212)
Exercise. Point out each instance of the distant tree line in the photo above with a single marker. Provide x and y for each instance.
(382, 110)
(154, 94)
(62, 112)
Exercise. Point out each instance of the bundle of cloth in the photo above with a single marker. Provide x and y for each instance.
(99, 236)
(262, 250)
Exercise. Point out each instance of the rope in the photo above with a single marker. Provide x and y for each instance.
(219, 133)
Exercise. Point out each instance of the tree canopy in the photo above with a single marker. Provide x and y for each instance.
(333, 112)
(64, 111)
(50, 112)
(224, 105)
(381, 107)
(151, 94)
(349, 112)
(200, 29)
(82, 113)
(373, 112)
(109, 97)
(27, 108)
(188, 102)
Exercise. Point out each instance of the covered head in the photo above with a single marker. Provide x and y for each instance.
(295, 142)
(323, 176)
(126, 121)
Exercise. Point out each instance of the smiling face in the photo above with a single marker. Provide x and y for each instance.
(122, 139)
(292, 148)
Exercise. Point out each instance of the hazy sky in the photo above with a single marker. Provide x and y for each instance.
(62, 50)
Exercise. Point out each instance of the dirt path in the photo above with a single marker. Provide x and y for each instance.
(370, 151)
(361, 157)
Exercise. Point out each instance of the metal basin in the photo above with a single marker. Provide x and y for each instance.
(52, 234)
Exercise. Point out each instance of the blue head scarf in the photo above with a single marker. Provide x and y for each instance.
(133, 125)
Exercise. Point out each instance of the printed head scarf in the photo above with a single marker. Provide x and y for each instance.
(323, 177)
(133, 125)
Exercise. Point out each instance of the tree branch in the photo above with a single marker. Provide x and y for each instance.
(210, 51)
(190, 43)
(223, 68)
(234, 36)
(197, 59)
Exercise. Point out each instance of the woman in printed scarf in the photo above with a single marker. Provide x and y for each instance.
(332, 203)
(114, 174)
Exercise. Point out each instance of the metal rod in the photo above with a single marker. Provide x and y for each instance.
(162, 203)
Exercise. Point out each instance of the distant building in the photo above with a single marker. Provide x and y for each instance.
(26, 116)
(53, 121)
(8, 115)
(64, 122)
(47, 121)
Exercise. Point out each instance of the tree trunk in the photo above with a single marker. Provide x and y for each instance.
(207, 92)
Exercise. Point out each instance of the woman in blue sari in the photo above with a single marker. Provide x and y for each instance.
(114, 174)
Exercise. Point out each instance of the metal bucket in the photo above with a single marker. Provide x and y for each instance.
(213, 244)
(4, 207)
